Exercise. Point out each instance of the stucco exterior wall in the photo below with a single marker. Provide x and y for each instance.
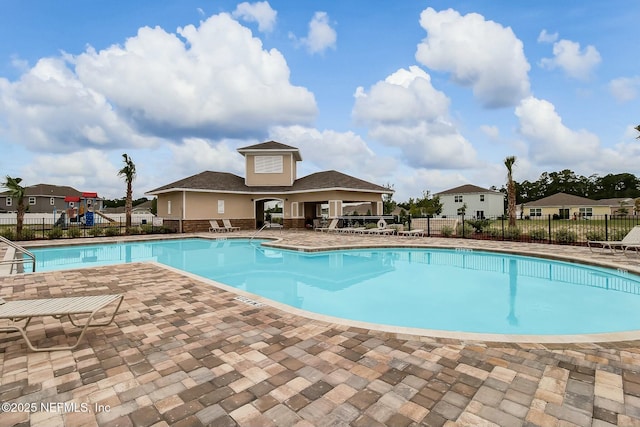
(204, 206)
(287, 176)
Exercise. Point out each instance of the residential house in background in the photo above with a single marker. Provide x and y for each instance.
(566, 206)
(477, 202)
(43, 198)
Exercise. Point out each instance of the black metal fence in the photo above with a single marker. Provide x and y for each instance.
(541, 229)
(43, 228)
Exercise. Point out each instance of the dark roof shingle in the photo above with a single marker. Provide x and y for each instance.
(228, 182)
(466, 189)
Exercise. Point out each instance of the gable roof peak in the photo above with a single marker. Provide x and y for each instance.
(265, 147)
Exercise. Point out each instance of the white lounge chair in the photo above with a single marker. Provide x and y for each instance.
(631, 239)
(215, 227)
(228, 226)
(332, 226)
(380, 231)
(414, 232)
(17, 311)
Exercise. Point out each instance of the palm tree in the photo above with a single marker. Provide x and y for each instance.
(16, 191)
(511, 190)
(128, 172)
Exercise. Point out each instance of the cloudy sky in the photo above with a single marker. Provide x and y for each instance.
(423, 95)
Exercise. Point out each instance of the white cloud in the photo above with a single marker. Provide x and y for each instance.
(550, 141)
(49, 108)
(218, 82)
(478, 53)
(86, 170)
(491, 131)
(260, 12)
(545, 37)
(321, 35)
(346, 152)
(575, 62)
(407, 112)
(212, 81)
(213, 156)
(625, 88)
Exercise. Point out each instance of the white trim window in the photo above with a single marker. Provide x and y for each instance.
(32, 200)
(268, 164)
(482, 197)
(457, 199)
(52, 201)
(9, 201)
(586, 212)
(220, 206)
(535, 212)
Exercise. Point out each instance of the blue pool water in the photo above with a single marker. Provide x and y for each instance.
(454, 290)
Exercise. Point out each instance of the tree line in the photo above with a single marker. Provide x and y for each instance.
(621, 185)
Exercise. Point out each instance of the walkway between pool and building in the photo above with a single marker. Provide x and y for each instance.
(184, 353)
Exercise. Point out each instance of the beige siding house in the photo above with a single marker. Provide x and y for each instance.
(270, 175)
(567, 206)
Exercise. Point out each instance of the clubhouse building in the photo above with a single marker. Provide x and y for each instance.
(189, 204)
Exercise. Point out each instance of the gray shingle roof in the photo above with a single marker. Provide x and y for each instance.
(467, 189)
(564, 199)
(48, 190)
(271, 146)
(228, 182)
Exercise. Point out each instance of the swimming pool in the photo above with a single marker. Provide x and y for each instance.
(441, 289)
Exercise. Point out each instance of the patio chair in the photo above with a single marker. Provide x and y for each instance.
(414, 232)
(631, 239)
(332, 226)
(215, 227)
(227, 224)
(17, 311)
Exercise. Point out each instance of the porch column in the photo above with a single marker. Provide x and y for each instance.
(377, 208)
(335, 208)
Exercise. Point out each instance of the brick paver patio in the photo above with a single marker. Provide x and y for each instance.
(184, 353)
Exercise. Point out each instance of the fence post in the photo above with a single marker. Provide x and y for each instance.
(606, 227)
(549, 221)
(428, 226)
(502, 223)
(43, 227)
(463, 236)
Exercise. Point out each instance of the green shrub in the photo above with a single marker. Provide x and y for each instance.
(446, 231)
(595, 235)
(95, 231)
(370, 226)
(112, 231)
(28, 234)
(618, 234)
(465, 230)
(8, 233)
(73, 232)
(564, 235)
(479, 224)
(147, 228)
(55, 233)
(512, 233)
(134, 230)
(494, 233)
(538, 234)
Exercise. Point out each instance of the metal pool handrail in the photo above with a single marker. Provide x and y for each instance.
(30, 257)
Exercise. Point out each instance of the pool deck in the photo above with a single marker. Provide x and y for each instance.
(184, 353)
